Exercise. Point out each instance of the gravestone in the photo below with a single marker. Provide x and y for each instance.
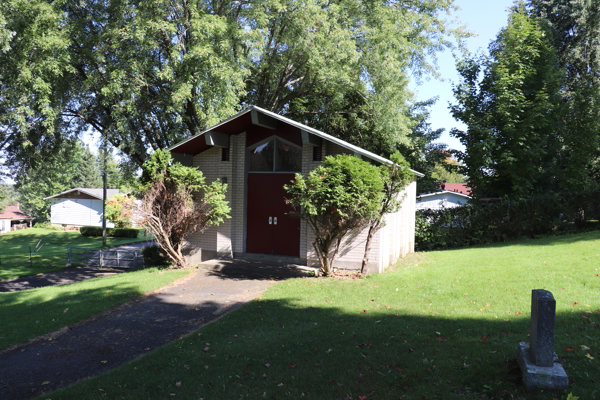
(538, 361)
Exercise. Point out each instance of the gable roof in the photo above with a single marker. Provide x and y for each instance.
(444, 192)
(14, 213)
(457, 187)
(303, 127)
(97, 193)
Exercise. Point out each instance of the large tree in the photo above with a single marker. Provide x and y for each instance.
(575, 28)
(146, 74)
(511, 104)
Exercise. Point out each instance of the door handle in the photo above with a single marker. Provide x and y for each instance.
(275, 221)
(270, 220)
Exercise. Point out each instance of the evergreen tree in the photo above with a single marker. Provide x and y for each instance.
(515, 132)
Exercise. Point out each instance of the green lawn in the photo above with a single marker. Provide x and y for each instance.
(442, 325)
(14, 250)
(39, 311)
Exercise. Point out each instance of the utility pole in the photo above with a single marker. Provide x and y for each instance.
(105, 184)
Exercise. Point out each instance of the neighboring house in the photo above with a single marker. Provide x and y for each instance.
(12, 215)
(443, 199)
(79, 207)
(457, 187)
(256, 152)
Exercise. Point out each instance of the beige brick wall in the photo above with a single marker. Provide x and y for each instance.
(237, 155)
(219, 241)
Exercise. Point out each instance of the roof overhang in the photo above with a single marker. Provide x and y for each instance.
(73, 190)
(269, 120)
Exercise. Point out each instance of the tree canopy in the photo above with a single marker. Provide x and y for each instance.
(532, 106)
(146, 74)
(513, 113)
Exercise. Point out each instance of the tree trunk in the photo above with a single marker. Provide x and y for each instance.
(364, 268)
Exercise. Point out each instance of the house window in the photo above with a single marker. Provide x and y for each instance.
(224, 154)
(317, 154)
(276, 155)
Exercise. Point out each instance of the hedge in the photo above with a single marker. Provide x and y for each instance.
(506, 219)
(111, 232)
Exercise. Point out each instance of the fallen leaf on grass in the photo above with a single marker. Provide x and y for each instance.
(576, 303)
(518, 313)
(588, 356)
(178, 384)
(484, 339)
(584, 347)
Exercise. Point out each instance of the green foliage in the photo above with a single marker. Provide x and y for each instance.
(59, 173)
(341, 195)
(395, 177)
(447, 171)
(8, 196)
(110, 232)
(177, 201)
(148, 74)
(119, 210)
(513, 115)
(154, 256)
(575, 27)
(48, 226)
(508, 219)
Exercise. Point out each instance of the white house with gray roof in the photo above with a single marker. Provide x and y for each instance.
(79, 207)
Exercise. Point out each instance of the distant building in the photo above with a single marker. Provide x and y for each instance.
(13, 218)
(443, 199)
(79, 207)
(457, 187)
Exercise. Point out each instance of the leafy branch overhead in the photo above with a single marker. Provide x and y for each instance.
(146, 74)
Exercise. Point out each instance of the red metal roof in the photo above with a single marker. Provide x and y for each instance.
(457, 187)
(14, 213)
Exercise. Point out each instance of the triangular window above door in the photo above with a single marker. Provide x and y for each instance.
(275, 155)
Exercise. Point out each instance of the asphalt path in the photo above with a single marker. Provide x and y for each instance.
(136, 328)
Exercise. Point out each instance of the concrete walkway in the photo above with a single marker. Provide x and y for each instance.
(136, 328)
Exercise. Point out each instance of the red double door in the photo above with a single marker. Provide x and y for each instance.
(270, 229)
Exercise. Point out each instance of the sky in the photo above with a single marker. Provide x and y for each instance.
(482, 17)
(485, 18)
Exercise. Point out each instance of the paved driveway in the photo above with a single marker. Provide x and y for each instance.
(136, 328)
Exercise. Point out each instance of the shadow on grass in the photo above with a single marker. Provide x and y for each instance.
(280, 349)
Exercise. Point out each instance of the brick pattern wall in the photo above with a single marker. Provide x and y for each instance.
(237, 155)
(215, 241)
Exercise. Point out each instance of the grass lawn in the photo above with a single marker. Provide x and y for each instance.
(14, 250)
(441, 325)
(31, 313)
